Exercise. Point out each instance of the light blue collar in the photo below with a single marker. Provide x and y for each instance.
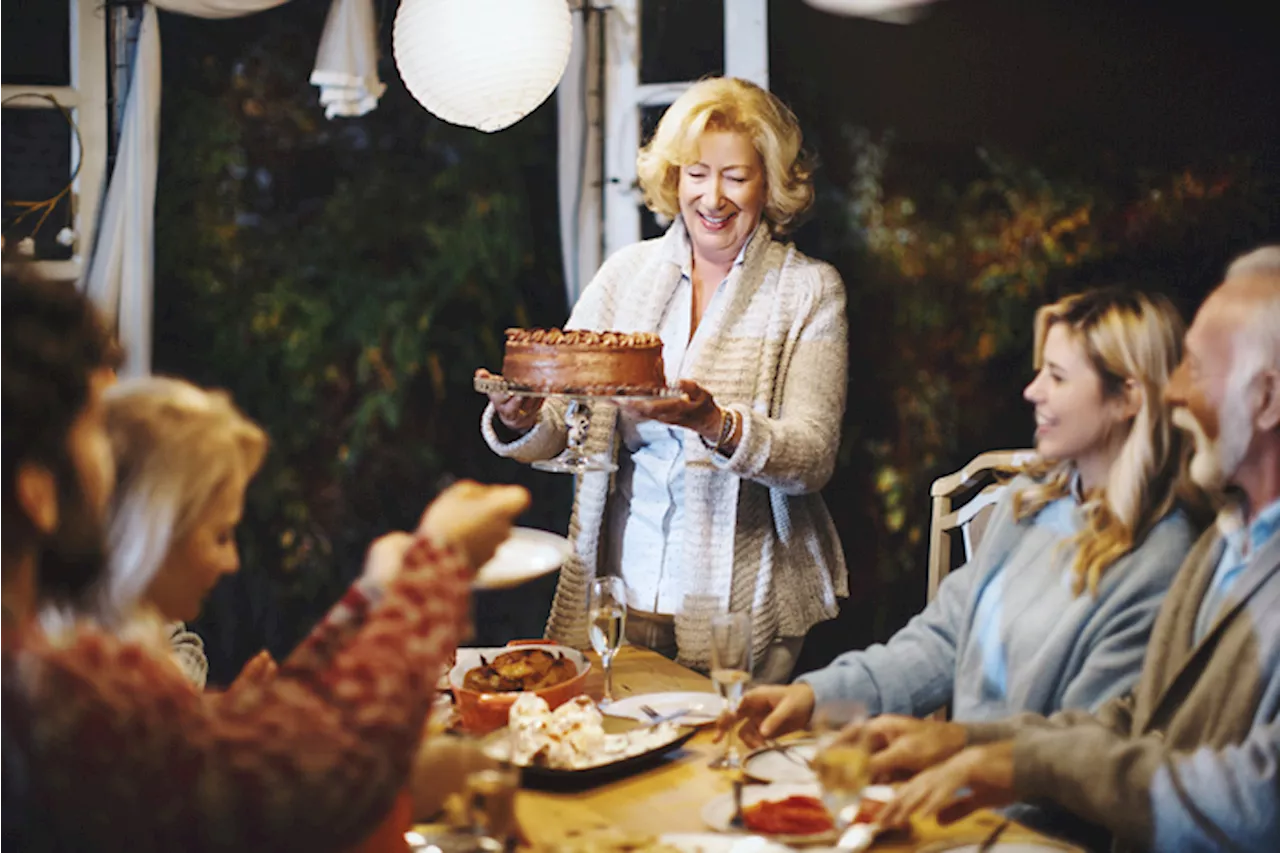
(1245, 540)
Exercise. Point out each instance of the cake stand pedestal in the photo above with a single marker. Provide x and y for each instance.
(577, 420)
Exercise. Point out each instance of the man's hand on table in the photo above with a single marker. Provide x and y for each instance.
(983, 773)
(769, 711)
(903, 746)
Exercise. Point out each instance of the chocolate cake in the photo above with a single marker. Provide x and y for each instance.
(581, 361)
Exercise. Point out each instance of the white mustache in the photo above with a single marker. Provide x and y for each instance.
(1184, 420)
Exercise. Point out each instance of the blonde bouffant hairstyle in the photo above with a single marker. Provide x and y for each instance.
(1133, 341)
(177, 448)
(728, 104)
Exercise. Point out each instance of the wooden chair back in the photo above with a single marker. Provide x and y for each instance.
(963, 502)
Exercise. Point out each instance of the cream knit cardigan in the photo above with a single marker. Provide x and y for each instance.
(756, 529)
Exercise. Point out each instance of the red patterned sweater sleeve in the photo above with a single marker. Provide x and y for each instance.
(125, 751)
(343, 621)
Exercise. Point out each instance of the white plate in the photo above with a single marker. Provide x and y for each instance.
(784, 763)
(703, 707)
(717, 812)
(710, 842)
(527, 554)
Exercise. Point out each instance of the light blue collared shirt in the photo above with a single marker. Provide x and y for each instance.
(646, 516)
(1241, 543)
(1063, 518)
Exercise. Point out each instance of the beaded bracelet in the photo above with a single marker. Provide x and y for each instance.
(728, 425)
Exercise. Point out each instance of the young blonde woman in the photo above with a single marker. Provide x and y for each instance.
(1055, 608)
(715, 506)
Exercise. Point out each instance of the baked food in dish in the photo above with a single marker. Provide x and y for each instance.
(521, 669)
(580, 361)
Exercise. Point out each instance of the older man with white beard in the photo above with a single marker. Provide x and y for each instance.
(1190, 760)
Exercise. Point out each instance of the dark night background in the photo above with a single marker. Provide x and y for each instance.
(294, 253)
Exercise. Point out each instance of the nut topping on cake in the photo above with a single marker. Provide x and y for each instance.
(584, 337)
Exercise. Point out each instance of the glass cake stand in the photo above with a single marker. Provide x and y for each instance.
(577, 418)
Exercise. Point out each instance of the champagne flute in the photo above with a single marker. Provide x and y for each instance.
(607, 625)
(842, 760)
(730, 672)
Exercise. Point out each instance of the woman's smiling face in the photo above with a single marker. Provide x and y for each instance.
(722, 195)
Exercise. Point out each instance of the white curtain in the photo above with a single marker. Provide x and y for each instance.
(121, 267)
(347, 61)
(578, 158)
(121, 272)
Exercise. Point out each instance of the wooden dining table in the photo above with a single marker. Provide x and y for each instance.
(669, 796)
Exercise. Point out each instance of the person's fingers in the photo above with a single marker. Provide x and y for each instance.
(859, 733)
(890, 726)
(750, 734)
(961, 807)
(262, 667)
(779, 720)
(508, 501)
(388, 548)
(385, 556)
(904, 803)
(725, 722)
(899, 756)
(754, 707)
(940, 791)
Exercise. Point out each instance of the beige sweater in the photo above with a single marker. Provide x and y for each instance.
(756, 530)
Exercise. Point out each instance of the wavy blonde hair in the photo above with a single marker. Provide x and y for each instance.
(177, 448)
(1127, 337)
(736, 106)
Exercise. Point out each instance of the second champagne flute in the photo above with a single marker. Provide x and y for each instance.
(842, 763)
(607, 625)
(730, 671)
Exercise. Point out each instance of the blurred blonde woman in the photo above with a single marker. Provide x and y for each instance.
(1055, 607)
(715, 506)
(184, 457)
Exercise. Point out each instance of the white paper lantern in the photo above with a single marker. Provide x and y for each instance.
(888, 11)
(482, 63)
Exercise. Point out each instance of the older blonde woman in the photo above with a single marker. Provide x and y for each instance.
(1056, 606)
(715, 505)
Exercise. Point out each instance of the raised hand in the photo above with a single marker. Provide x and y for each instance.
(260, 670)
(475, 517)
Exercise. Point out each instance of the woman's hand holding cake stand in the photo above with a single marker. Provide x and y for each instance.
(518, 414)
(694, 409)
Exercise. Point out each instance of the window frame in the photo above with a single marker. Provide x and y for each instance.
(86, 100)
